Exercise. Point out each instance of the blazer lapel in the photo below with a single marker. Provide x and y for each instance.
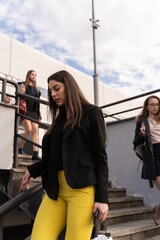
(68, 131)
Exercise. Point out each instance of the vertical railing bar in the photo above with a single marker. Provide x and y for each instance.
(1, 227)
(16, 123)
(4, 84)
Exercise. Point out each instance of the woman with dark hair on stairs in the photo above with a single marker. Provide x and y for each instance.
(74, 164)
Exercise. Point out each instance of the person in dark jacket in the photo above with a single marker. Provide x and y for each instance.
(147, 133)
(74, 164)
(33, 111)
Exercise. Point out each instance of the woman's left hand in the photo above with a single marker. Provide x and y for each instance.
(103, 210)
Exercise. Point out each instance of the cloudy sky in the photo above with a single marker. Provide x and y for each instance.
(127, 41)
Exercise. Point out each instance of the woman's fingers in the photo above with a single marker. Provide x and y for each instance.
(103, 211)
(25, 180)
(102, 216)
(143, 129)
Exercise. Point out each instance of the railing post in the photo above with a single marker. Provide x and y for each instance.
(16, 122)
(4, 83)
(1, 228)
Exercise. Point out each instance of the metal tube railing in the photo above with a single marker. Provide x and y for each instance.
(43, 125)
(35, 99)
(16, 96)
(125, 111)
(127, 100)
(130, 98)
(15, 202)
(28, 140)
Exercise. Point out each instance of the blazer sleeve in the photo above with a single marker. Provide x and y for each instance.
(98, 141)
(35, 169)
(40, 168)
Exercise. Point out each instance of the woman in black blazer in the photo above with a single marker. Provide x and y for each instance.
(32, 111)
(147, 134)
(74, 164)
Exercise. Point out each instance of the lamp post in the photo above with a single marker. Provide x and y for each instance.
(95, 76)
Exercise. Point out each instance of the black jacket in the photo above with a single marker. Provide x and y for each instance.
(84, 156)
(30, 101)
(148, 167)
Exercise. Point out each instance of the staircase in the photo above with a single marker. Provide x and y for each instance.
(128, 218)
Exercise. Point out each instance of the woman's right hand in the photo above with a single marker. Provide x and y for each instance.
(25, 180)
(143, 129)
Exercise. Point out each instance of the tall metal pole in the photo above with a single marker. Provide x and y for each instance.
(95, 76)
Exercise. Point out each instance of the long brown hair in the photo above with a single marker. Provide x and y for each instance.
(74, 99)
(26, 83)
(145, 112)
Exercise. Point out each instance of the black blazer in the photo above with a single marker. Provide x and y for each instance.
(84, 156)
(29, 101)
(148, 164)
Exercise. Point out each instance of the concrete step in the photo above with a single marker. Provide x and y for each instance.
(154, 238)
(18, 173)
(129, 214)
(24, 163)
(116, 192)
(134, 230)
(24, 157)
(125, 202)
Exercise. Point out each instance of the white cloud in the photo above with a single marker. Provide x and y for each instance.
(128, 39)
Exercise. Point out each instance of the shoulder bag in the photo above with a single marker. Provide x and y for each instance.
(139, 151)
(22, 106)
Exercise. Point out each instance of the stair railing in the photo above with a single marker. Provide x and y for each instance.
(4, 93)
(41, 124)
(16, 96)
(113, 115)
(16, 201)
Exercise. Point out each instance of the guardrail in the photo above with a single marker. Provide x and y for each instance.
(16, 96)
(126, 100)
(41, 124)
(15, 202)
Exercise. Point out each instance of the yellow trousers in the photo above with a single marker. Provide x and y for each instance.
(73, 208)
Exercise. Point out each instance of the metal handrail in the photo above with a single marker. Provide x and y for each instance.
(125, 111)
(16, 201)
(17, 96)
(130, 98)
(43, 125)
(4, 85)
(126, 100)
(35, 99)
(28, 140)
